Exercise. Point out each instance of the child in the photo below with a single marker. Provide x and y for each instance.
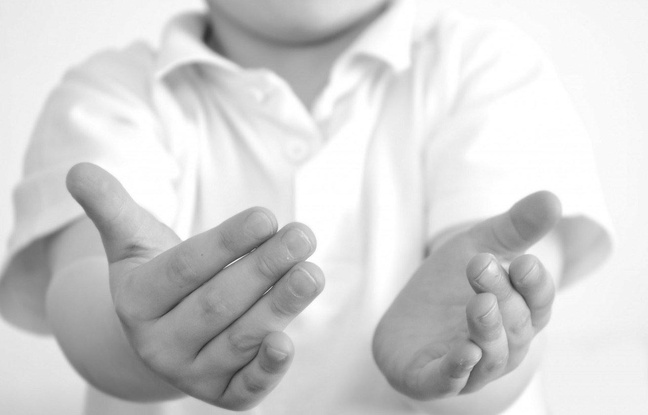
(398, 143)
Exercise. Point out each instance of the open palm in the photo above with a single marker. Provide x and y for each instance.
(463, 320)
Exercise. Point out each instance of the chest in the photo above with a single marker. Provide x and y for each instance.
(256, 144)
(350, 170)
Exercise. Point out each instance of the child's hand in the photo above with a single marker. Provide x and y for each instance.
(205, 327)
(446, 334)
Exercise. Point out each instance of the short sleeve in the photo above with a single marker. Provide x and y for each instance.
(509, 131)
(101, 113)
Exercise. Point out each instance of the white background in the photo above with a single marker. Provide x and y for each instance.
(598, 357)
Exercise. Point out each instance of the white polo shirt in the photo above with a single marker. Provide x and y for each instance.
(423, 125)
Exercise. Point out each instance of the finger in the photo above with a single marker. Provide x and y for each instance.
(236, 346)
(522, 226)
(486, 331)
(486, 275)
(447, 376)
(168, 278)
(207, 311)
(125, 227)
(261, 375)
(532, 280)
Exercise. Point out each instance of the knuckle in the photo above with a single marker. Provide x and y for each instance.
(496, 364)
(266, 267)
(182, 269)
(520, 327)
(284, 309)
(214, 307)
(455, 371)
(458, 369)
(156, 358)
(242, 343)
(139, 243)
(227, 241)
(491, 334)
(505, 291)
(254, 385)
(135, 247)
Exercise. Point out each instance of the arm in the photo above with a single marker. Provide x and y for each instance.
(152, 317)
(82, 316)
(463, 334)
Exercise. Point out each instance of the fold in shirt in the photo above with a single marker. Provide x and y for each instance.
(423, 125)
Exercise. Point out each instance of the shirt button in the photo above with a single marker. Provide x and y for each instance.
(262, 95)
(297, 151)
(259, 95)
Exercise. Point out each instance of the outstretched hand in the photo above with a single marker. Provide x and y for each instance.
(207, 314)
(464, 320)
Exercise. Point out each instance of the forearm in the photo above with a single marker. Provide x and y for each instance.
(82, 317)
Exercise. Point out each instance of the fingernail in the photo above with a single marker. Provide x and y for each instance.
(302, 283)
(529, 275)
(276, 355)
(490, 318)
(297, 243)
(490, 270)
(259, 224)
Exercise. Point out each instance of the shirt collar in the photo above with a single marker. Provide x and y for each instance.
(183, 44)
(388, 39)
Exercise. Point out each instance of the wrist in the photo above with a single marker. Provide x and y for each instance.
(82, 317)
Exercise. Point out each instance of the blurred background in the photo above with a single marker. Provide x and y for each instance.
(598, 353)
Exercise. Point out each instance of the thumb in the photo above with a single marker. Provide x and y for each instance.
(523, 225)
(126, 229)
